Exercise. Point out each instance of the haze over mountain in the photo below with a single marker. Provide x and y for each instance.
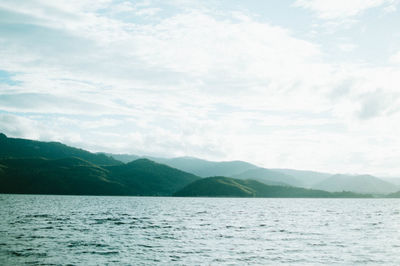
(269, 177)
(206, 168)
(230, 187)
(392, 180)
(356, 183)
(307, 178)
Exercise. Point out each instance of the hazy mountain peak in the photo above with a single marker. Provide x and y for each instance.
(356, 183)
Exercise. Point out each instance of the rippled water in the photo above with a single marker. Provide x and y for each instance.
(144, 230)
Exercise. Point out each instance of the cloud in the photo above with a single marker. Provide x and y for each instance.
(395, 59)
(341, 9)
(170, 81)
(347, 47)
(18, 126)
(377, 103)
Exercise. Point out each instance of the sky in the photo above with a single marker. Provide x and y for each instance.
(303, 84)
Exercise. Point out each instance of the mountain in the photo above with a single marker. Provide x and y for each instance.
(74, 176)
(151, 178)
(230, 187)
(392, 180)
(269, 177)
(307, 178)
(356, 183)
(67, 176)
(394, 195)
(29, 166)
(24, 148)
(236, 169)
(125, 158)
(206, 168)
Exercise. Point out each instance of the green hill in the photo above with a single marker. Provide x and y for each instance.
(67, 176)
(230, 187)
(74, 176)
(151, 178)
(24, 148)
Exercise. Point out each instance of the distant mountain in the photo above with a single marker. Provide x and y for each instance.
(29, 166)
(394, 195)
(74, 176)
(230, 187)
(24, 148)
(307, 178)
(151, 178)
(392, 180)
(125, 158)
(206, 168)
(269, 177)
(236, 169)
(356, 183)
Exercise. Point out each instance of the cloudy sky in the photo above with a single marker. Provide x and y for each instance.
(306, 84)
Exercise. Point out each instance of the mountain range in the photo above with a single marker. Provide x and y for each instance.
(283, 177)
(35, 167)
(74, 176)
(199, 167)
(230, 187)
(269, 177)
(17, 148)
(356, 183)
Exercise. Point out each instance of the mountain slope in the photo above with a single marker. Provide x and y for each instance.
(394, 195)
(67, 176)
(206, 168)
(24, 148)
(307, 178)
(74, 176)
(269, 177)
(151, 178)
(356, 183)
(230, 187)
(125, 158)
(394, 181)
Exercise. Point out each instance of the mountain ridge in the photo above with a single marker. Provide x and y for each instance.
(143, 176)
(231, 187)
(24, 148)
(356, 183)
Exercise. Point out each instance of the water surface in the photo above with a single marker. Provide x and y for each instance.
(91, 230)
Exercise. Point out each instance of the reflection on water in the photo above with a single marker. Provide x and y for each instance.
(146, 230)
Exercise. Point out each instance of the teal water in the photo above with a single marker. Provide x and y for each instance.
(80, 230)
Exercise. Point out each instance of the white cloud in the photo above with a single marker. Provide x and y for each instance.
(395, 59)
(193, 83)
(340, 9)
(347, 47)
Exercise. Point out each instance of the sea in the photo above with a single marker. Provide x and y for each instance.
(102, 230)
